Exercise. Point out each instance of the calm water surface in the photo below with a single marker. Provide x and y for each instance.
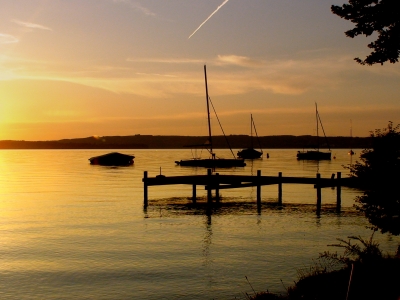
(69, 230)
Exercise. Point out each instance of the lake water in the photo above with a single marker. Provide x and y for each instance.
(70, 230)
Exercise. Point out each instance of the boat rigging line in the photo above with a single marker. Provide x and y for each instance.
(220, 125)
(326, 139)
(255, 130)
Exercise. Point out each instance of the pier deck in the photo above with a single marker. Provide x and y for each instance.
(218, 182)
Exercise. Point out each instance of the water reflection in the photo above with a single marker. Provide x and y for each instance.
(237, 206)
(87, 225)
(318, 220)
(315, 166)
(207, 241)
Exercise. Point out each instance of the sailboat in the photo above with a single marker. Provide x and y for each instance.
(213, 161)
(251, 153)
(315, 154)
(351, 152)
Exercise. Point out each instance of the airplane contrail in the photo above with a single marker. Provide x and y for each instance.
(223, 3)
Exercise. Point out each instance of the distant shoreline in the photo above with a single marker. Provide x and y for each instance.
(182, 142)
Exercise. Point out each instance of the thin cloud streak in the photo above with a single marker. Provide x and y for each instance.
(242, 61)
(136, 6)
(166, 61)
(208, 18)
(155, 74)
(333, 110)
(31, 25)
(7, 39)
(338, 110)
(284, 77)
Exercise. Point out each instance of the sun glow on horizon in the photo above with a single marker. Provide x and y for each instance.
(118, 67)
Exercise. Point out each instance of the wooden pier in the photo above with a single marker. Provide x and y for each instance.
(219, 182)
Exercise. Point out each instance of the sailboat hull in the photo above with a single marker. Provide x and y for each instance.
(249, 153)
(313, 155)
(212, 163)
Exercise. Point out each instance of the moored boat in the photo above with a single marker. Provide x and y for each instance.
(112, 159)
(315, 154)
(251, 153)
(213, 161)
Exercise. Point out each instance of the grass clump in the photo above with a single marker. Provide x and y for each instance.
(361, 272)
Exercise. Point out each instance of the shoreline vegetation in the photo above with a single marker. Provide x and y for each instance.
(362, 272)
(183, 142)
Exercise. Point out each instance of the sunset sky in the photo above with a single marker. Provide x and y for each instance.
(77, 68)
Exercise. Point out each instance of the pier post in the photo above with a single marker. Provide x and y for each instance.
(318, 185)
(338, 192)
(217, 187)
(209, 182)
(194, 194)
(258, 188)
(280, 188)
(145, 199)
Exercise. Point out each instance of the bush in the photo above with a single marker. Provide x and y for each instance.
(361, 272)
(378, 174)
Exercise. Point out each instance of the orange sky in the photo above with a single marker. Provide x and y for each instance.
(119, 67)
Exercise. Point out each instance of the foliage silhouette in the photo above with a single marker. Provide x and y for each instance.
(361, 272)
(380, 16)
(378, 174)
(362, 251)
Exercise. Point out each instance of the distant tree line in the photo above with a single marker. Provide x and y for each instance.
(181, 142)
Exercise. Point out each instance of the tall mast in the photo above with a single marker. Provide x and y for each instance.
(317, 119)
(251, 130)
(351, 138)
(208, 110)
(351, 128)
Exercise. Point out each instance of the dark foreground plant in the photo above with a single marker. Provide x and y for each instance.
(362, 251)
(379, 18)
(378, 175)
(361, 272)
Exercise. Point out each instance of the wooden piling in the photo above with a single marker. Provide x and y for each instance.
(145, 187)
(318, 186)
(209, 180)
(194, 197)
(258, 188)
(338, 192)
(280, 188)
(217, 188)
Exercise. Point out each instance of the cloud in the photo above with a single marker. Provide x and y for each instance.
(332, 109)
(137, 6)
(31, 25)
(166, 61)
(7, 39)
(242, 61)
(155, 74)
(284, 77)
